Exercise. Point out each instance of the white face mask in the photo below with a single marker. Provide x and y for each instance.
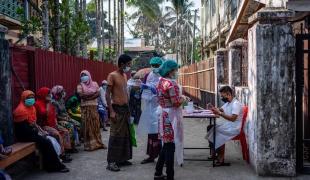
(104, 86)
(63, 95)
(127, 69)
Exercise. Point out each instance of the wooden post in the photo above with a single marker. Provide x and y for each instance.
(6, 120)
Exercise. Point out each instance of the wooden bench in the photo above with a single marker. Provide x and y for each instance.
(20, 150)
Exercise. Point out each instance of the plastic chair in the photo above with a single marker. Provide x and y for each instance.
(241, 137)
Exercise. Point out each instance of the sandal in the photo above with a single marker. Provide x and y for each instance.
(148, 160)
(211, 158)
(66, 158)
(218, 164)
(161, 177)
(125, 163)
(64, 170)
(113, 167)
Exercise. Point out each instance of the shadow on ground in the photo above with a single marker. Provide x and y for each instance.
(92, 165)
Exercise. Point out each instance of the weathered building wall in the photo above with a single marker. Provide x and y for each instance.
(220, 63)
(6, 128)
(272, 92)
(237, 55)
(242, 94)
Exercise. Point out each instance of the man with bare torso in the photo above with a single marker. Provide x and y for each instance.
(120, 149)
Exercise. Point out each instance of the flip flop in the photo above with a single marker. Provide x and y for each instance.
(218, 164)
(211, 158)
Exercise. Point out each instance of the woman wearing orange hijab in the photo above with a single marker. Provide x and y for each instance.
(27, 130)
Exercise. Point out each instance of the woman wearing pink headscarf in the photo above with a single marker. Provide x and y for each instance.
(88, 90)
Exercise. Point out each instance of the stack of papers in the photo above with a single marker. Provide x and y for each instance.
(199, 113)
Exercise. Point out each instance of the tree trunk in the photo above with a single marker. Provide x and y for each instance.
(176, 39)
(45, 19)
(67, 26)
(6, 119)
(102, 30)
(57, 26)
(122, 26)
(157, 37)
(77, 48)
(115, 30)
(118, 28)
(98, 28)
(109, 31)
(194, 43)
(84, 40)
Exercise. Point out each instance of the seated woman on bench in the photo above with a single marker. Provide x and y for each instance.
(46, 118)
(27, 130)
(228, 125)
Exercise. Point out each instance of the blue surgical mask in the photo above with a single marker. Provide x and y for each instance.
(127, 69)
(176, 75)
(155, 70)
(30, 102)
(84, 79)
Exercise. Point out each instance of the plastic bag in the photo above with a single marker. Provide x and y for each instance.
(132, 131)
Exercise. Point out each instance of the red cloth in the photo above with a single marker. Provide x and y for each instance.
(23, 112)
(46, 116)
(241, 137)
(169, 93)
(169, 96)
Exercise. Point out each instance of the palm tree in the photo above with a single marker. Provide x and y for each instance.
(78, 42)
(57, 26)
(115, 3)
(122, 14)
(148, 19)
(102, 29)
(98, 28)
(66, 19)
(109, 12)
(118, 28)
(84, 41)
(180, 18)
(45, 27)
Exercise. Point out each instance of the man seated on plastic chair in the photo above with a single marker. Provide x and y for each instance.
(228, 124)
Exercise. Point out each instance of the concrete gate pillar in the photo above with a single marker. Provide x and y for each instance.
(221, 58)
(237, 54)
(6, 125)
(271, 79)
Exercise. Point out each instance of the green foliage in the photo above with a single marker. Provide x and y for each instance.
(91, 20)
(72, 25)
(149, 8)
(108, 52)
(31, 26)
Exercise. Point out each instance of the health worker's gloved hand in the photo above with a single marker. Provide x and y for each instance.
(153, 89)
(144, 86)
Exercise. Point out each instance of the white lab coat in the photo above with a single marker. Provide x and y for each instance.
(149, 118)
(226, 130)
